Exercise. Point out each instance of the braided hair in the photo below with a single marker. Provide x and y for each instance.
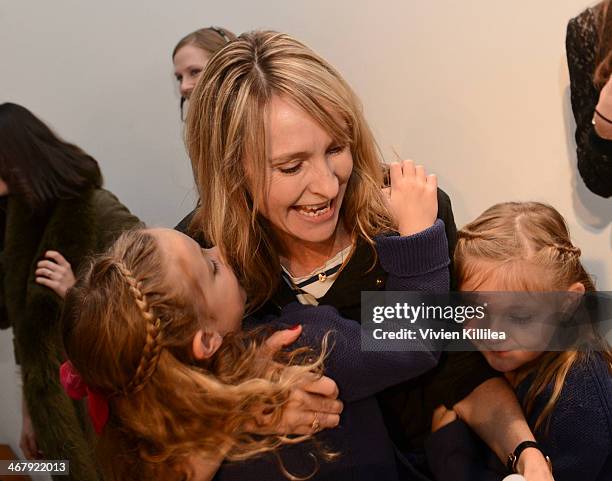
(129, 332)
(513, 239)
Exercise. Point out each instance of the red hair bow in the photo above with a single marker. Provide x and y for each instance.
(75, 387)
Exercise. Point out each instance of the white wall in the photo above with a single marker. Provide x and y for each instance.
(476, 90)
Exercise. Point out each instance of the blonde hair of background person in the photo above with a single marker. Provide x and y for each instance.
(225, 126)
(192, 53)
(138, 330)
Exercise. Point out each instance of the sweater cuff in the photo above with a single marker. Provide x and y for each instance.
(416, 254)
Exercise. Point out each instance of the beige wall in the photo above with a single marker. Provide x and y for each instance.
(476, 90)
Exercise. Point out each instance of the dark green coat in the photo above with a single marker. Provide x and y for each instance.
(76, 228)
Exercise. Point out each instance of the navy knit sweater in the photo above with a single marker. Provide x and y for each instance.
(366, 452)
(578, 439)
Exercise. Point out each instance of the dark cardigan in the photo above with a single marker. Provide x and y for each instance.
(76, 228)
(594, 153)
(365, 450)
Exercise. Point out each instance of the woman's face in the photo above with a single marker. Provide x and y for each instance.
(307, 175)
(189, 62)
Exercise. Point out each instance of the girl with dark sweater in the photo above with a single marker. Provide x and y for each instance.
(567, 396)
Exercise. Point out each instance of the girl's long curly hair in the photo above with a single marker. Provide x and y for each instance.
(130, 334)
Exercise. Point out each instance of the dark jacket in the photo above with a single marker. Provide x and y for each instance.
(76, 228)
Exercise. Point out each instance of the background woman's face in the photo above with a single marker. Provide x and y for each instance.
(307, 175)
(189, 62)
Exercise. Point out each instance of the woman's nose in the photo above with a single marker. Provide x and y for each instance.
(324, 180)
(186, 88)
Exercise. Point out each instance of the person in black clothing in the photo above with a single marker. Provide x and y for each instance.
(290, 183)
(589, 58)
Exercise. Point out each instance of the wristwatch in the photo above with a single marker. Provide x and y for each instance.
(514, 456)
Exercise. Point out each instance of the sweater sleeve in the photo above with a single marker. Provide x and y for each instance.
(455, 453)
(112, 217)
(418, 262)
(594, 153)
(358, 373)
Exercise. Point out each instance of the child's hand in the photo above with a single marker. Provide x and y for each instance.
(56, 273)
(442, 417)
(412, 198)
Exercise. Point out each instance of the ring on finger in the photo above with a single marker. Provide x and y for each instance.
(315, 423)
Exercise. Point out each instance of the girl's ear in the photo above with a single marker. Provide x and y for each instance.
(577, 287)
(205, 344)
(571, 302)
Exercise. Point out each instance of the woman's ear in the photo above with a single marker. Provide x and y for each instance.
(205, 344)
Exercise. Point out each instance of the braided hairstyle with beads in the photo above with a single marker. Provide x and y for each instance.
(129, 334)
(513, 239)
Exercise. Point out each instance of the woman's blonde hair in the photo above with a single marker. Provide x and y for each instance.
(226, 129)
(129, 335)
(511, 237)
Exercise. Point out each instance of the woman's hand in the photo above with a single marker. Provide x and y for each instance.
(312, 406)
(56, 273)
(27, 442)
(442, 417)
(412, 198)
(604, 107)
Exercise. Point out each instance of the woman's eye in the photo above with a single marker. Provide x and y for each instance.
(195, 72)
(215, 266)
(179, 78)
(291, 170)
(336, 150)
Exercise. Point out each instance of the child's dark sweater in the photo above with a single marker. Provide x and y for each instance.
(578, 439)
(366, 453)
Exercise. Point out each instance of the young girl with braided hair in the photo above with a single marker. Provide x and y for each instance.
(152, 331)
(566, 395)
